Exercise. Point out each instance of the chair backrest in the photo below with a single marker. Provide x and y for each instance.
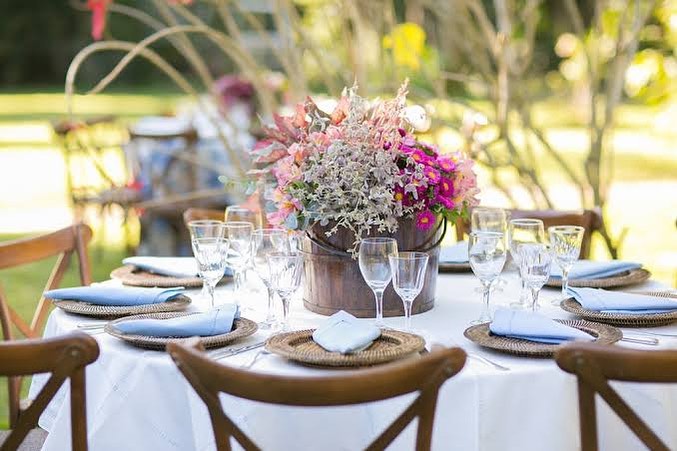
(64, 357)
(424, 375)
(596, 365)
(195, 214)
(591, 220)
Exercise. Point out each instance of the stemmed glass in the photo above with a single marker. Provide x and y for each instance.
(486, 219)
(375, 268)
(487, 254)
(535, 261)
(521, 231)
(239, 233)
(267, 241)
(285, 278)
(238, 213)
(408, 272)
(566, 246)
(210, 248)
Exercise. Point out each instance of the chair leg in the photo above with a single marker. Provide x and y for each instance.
(587, 416)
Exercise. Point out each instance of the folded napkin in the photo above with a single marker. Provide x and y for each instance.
(619, 302)
(457, 253)
(166, 266)
(213, 322)
(533, 327)
(104, 295)
(587, 269)
(344, 333)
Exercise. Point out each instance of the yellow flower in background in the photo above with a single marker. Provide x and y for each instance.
(407, 41)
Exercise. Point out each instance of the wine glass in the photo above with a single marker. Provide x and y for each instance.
(522, 231)
(487, 254)
(210, 248)
(239, 233)
(238, 213)
(285, 278)
(566, 246)
(486, 219)
(266, 241)
(375, 268)
(535, 261)
(408, 272)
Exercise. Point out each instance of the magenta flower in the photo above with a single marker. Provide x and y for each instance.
(446, 164)
(446, 187)
(432, 174)
(425, 220)
(420, 157)
(402, 132)
(446, 202)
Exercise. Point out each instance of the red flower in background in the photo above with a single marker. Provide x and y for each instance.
(98, 9)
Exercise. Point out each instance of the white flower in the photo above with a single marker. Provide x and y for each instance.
(417, 117)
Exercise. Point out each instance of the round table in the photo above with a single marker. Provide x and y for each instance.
(138, 400)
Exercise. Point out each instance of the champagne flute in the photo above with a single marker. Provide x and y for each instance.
(566, 243)
(408, 273)
(535, 261)
(285, 278)
(239, 233)
(375, 268)
(487, 254)
(267, 241)
(210, 248)
(521, 231)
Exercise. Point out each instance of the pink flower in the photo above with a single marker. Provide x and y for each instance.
(420, 157)
(425, 220)
(286, 170)
(446, 202)
(446, 164)
(446, 187)
(98, 9)
(432, 174)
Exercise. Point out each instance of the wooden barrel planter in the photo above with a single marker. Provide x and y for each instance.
(333, 280)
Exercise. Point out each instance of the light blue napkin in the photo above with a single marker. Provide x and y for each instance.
(213, 322)
(168, 266)
(344, 333)
(104, 295)
(533, 327)
(619, 302)
(588, 269)
(457, 253)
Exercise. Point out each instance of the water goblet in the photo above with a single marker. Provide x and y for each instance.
(408, 273)
(565, 242)
(487, 219)
(375, 268)
(238, 213)
(239, 233)
(285, 278)
(266, 241)
(521, 231)
(487, 254)
(535, 261)
(210, 248)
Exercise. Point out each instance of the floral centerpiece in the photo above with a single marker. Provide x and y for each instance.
(360, 168)
(357, 171)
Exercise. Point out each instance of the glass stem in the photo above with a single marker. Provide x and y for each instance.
(270, 317)
(524, 293)
(407, 314)
(486, 315)
(378, 295)
(565, 282)
(210, 291)
(534, 299)
(285, 313)
(239, 275)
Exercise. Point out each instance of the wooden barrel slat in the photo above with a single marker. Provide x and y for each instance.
(334, 282)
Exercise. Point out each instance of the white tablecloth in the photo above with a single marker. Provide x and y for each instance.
(138, 400)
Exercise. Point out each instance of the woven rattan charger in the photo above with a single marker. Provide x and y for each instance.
(480, 334)
(174, 304)
(133, 276)
(623, 279)
(625, 320)
(300, 347)
(242, 327)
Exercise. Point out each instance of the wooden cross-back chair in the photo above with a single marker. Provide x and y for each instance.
(196, 214)
(62, 243)
(596, 365)
(64, 358)
(591, 220)
(425, 376)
